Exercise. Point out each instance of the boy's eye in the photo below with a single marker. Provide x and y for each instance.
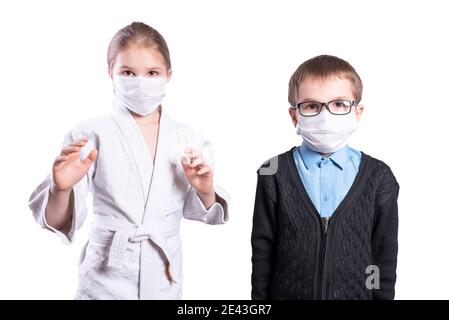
(341, 104)
(311, 106)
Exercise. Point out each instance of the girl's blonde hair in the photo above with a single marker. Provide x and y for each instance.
(137, 33)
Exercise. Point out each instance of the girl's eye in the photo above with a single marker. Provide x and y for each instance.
(127, 73)
(152, 73)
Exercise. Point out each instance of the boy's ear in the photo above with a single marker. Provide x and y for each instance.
(359, 111)
(292, 113)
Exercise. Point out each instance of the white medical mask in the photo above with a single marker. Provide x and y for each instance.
(139, 94)
(326, 132)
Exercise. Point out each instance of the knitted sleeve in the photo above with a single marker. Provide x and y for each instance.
(263, 237)
(385, 234)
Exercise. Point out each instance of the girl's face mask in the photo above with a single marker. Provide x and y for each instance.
(141, 95)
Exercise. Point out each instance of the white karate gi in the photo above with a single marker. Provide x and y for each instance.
(134, 246)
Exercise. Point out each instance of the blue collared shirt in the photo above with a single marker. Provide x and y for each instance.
(327, 180)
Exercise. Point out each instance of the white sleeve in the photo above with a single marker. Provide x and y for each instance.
(194, 208)
(39, 198)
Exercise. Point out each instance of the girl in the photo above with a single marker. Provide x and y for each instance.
(145, 172)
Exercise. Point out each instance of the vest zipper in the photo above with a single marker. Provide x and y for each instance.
(326, 224)
(321, 278)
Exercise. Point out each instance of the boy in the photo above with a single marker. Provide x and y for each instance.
(325, 215)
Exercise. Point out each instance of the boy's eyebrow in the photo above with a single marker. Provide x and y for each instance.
(318, 100)
(342, 98)
(309, 100)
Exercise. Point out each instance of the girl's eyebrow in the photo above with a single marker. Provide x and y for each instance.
(154, 68)
(125, 67)
(149, 68)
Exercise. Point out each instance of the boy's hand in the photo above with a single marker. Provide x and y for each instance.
(199, 175)
(68, 168)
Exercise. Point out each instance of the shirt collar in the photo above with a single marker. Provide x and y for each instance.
(340, 157)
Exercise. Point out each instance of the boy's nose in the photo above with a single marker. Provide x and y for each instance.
(325, 108)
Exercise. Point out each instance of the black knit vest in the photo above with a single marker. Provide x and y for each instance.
(310, 263)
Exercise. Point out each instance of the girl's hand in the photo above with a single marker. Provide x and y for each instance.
(68, 168)
(199, 175)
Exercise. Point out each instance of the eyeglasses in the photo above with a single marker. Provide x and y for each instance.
(337, 107)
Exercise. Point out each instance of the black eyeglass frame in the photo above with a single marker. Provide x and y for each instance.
(352, 104)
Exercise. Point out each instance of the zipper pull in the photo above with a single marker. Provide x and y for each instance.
(325, 223)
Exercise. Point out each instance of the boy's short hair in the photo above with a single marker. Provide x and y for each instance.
(324, 67)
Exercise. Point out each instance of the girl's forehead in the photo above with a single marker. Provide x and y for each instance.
(140, 56)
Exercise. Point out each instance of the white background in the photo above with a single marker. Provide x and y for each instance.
(232, 61)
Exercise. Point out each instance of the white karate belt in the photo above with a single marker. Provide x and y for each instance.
(125, 232)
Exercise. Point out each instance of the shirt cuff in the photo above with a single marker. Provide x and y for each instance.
(65, 235)
(217, 213)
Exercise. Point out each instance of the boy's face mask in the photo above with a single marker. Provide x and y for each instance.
(139, 94)
(326, 132)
